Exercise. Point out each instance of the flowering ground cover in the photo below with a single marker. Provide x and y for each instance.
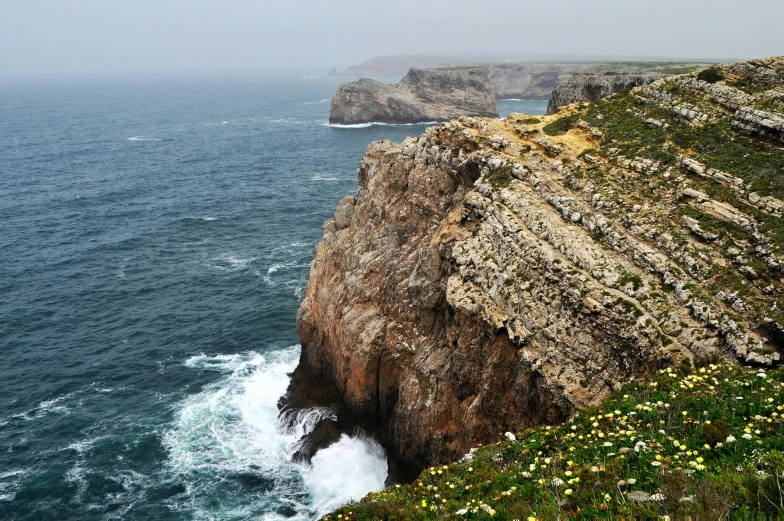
(694, 442)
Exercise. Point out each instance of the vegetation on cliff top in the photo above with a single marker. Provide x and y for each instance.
(694, 442)
(656, 128)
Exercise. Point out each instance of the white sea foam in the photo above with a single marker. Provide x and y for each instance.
(12, 473)
(76, 475)
(378, 124)
(9, 483)
(322, 178)
(53, 405)
(209, 218)
(228, 262)
(297, 285)
(232, 427)
(142, 138)
(82, 446)
(345, 471)
(314, 102)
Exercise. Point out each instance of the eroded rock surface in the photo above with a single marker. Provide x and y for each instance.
(491, 275)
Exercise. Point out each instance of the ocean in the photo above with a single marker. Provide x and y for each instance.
(155, 240)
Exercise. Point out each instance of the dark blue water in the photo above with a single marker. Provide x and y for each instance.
(155, 240)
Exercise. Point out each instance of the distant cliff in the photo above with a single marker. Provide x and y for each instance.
(579, 88)
(422, 95)
(529, 80)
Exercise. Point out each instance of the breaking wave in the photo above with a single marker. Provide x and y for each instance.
(230, 432)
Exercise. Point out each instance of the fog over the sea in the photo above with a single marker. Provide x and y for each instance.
(134, 36)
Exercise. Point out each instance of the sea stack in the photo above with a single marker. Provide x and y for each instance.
(423, 95)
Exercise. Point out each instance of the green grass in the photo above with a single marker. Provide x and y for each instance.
(708, 441)
(501, 177)
(747, 85)
(561, 125)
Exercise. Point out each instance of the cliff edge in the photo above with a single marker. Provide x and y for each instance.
(494, 275)
(423, 95)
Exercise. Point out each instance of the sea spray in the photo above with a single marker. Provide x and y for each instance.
(345, 471)
(230, 431)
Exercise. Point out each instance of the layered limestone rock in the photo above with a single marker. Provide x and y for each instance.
(423, 95)
(581, 88)
(491, 275)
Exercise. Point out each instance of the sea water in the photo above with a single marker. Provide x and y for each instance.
(155, 240)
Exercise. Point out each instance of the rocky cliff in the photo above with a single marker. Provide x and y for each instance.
(580, 88)
(529, 80)
(422, 95)
(492, 275)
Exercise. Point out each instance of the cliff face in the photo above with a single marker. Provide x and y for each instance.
(491, 275)
(580, 88)
(422, 95)
(529, 80)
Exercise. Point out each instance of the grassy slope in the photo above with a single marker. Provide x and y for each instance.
(707, 440)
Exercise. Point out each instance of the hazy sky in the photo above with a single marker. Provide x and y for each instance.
(122, 36)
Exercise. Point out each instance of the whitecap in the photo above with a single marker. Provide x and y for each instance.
(142, 138)
(207, 218)
(227, 262)
(321, 178)
(82, 446)
(47, 406)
